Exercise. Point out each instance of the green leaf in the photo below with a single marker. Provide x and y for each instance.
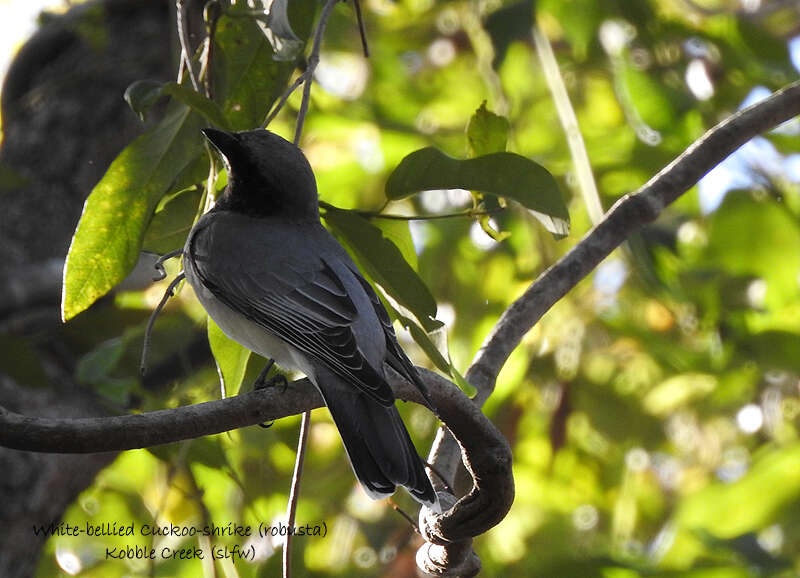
(653, 101)
(399, 233)
(486, 132)
(434, 343)
(143, 94)
(109, 236)
(98, 364)
(231, 359)
(769, 487)
(248, 79)
(427, 341)
(197, 102)
(500, 174)
(384, 263)
(171, 225)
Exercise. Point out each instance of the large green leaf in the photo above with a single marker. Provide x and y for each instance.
(231, 359)
(399, 233)
(109, 236)
(248, 79)
(384, 262)
(171, 225)
(501, 174)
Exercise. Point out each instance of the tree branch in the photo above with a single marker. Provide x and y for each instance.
(487, 455)
(313, 61)
(628, 215)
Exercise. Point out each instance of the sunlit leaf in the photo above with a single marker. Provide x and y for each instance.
(399, 233)
(108, 239)
(248, 79)
(486, 132)
(501, 174)
(231, 359)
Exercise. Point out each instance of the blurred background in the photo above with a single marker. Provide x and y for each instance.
(653, 412)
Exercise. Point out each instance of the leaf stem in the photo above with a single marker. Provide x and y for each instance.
(378, 215)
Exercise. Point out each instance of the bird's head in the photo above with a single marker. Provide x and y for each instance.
(267, 175)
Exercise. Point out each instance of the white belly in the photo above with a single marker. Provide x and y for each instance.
(246, 332)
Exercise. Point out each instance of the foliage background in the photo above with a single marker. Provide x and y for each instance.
(653, 413)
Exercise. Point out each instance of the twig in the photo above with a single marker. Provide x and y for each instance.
(286, 94)
(211, 12)
(302, 442)
(400, 511)
(291, 510)
(183, 38)
(361, 28)
(313, 61)
(152, 320)
(566, 114)
(159, 264)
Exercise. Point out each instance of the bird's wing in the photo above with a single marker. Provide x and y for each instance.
(303, 302)
(396, 357)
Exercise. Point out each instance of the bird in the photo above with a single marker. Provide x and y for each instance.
(276, 281)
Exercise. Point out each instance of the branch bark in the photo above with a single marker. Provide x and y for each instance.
(487, 455)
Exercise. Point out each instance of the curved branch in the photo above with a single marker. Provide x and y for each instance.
(629, 214)
(486, 452)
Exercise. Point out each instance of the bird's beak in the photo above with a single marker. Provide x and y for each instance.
(225, 142)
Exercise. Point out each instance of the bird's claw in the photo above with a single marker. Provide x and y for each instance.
(276, 380)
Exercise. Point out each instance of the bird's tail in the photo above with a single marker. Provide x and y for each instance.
(377, 443)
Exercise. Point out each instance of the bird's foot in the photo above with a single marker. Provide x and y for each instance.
(262, 382)
(276, 380)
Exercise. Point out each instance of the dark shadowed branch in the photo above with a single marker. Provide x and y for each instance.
(487, 454)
